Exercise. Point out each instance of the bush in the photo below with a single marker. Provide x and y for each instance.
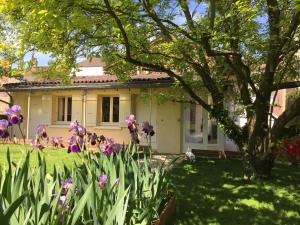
(290, 149)
(114, 189)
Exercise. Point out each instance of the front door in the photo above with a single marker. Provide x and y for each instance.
(200, 131)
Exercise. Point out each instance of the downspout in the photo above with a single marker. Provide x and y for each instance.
(84, 108)
(150, 118)
(28, 115)
(150, 106)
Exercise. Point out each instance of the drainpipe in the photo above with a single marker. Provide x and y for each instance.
(150, 116)
(84, 108)
(28, 115)
(150, 119)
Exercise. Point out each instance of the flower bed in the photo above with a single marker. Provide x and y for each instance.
(167, 212)
(110, 186)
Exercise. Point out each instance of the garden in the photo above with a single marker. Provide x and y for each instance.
(93, 180)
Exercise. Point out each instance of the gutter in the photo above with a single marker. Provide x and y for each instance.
(88, 86)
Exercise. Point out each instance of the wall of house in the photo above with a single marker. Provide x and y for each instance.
(280, 102)
(164, 117)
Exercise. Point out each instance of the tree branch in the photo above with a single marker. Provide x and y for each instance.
(286, 85)
(151, 12)
(185, 8)
(274, 48)
(156, 67)
(5, 102)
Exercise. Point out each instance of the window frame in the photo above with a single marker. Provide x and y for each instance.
(65, 121)
(100, 110)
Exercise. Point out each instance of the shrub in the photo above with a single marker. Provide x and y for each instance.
(289, 148)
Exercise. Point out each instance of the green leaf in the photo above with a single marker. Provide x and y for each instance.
(80, 205)
(13, 207)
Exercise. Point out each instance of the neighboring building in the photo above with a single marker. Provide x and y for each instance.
(101, 103)
(4, 95)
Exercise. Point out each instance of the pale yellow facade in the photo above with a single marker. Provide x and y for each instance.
(40, 107)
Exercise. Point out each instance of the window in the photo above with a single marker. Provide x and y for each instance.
(110, 109)
(64, 109)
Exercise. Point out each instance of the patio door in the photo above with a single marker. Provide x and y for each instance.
(200, 131)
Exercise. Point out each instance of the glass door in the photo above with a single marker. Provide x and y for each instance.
(200, 131)
(194, 125)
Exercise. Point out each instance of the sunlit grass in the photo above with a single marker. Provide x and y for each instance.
(213, 192)
(53, 156)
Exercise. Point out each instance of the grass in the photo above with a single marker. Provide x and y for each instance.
(213, 192)
(59, 157)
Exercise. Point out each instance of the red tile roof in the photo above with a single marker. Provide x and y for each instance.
(93, 62)
(141, 78)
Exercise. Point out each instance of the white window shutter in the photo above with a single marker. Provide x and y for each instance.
(125, 108)
(91, 110)
(77, 107)
(47, 109)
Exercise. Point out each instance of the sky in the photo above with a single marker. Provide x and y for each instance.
(43, 59)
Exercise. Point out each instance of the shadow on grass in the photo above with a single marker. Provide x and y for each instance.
(213, 192)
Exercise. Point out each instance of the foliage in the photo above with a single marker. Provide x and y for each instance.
(131, 192)
(289, 148)
(291, 97)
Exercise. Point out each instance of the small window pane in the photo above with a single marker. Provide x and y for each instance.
(105, 109)
(212, 131)
(61, 109)
(116, 109)
(69, 109)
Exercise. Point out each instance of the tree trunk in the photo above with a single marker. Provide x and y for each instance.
(260, 158)
(262, 165)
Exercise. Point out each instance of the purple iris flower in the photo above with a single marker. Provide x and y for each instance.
(14, 114)
(81, 130)
(106, 149)
(3, 128)
(77, 129)
(40, 146)
(71, 139)
(147, 128)
(68, 183)
(74, 126)
(80, 140)
(133, 129)
(117, 147)
(131, 123)
(74, 143)
(61, 218)
(73, 148)
(93, 139)
(57, 142)
(41, 131)
(102, 138)
(102, 180)
(110, 147)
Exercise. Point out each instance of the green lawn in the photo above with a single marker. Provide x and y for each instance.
(59, 157)
(212, 192)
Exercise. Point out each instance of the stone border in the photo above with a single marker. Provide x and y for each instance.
(168, 211)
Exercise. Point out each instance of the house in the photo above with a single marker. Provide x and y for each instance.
(101, 103)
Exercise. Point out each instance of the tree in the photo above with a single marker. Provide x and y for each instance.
(245, 46)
